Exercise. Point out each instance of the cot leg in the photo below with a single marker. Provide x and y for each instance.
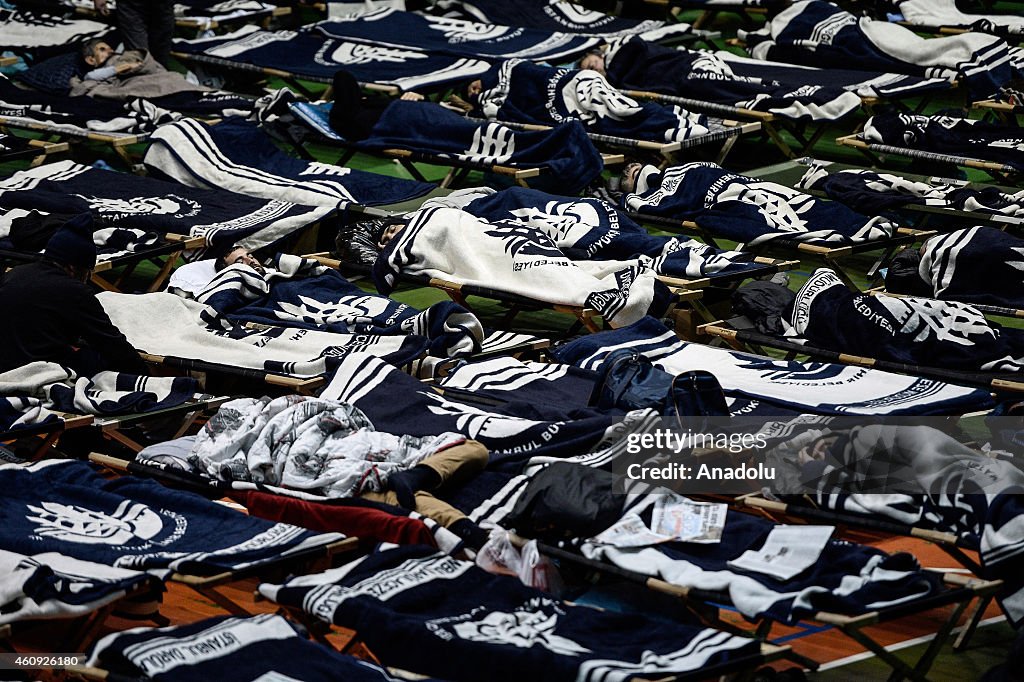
(220, 600)
(164, 273)
(964, 638)
(726, 148)
(774, 134)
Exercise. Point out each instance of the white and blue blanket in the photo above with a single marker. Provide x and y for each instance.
(455, 246)
(819, 33)
(965, 137)
(32, 393)
(523, 92)
(310, 54)
(235, 155)
(919, 476)
(65, 506)
(299, 293)
(436, 615)
(592, 229)
(868, 190)
(51, 585)
(439, 35)
(512, 431)
(748, 210)
(558, 15)
(862, 82)
(915, 331)
(981, 265)
(33, 28)
(130, 201)
(200, 334)
(637, 64)
(946, 14)
(813, 387)
(565, 150)
(228, 648)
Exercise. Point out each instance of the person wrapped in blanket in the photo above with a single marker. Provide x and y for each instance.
(52, 314)
(979, 265)
(331, 449)
(102, 72)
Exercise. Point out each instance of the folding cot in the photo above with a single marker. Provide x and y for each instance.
(48, 433)
(13, 148)
(717, 654)
(55, 133)
(1004, 112)
(959, 593)
(746, 339)
(124, 515)
(190, 16)
(923, 215)
(876, 153)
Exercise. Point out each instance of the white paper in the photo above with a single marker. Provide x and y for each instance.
(629, 531)
(787, 551)
(688, 521)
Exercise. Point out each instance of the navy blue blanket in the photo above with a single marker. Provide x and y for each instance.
(523, 92)
(811, 387)
(637, 64)
(398, 403)
(131, 201)
(430, 613)
(867, 190)
(65, 506)
(978, 265)
(294, 292)
(748, 210)
(438, 35)
(236, 155)
(557, 15)
(818, 33)
(948, 135)
(305, 53)
(426, 128)
(228, 648)
(863, 82)
(585, 229)
(917, 331)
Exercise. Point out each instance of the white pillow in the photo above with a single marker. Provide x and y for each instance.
(191, 278)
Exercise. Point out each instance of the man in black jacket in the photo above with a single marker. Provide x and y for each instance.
(50, 313)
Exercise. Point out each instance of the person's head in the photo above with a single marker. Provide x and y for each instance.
(593, 60)
(391, 229)
(96, 52)
(473, 90)
(238, 254)
(72, 247)
(629, 176)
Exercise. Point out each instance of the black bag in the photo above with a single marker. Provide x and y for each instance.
(566, 500)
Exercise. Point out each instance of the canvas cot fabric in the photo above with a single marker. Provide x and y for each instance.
(235, 155)
(565, 151)
(749, 210)
(592, 229)
(300, 293)
(65, 506)
(24, 27)
(818, 33)
(949, 135)
(863, 190)
(636, 64)
(228, 649)
(812, 387)
(493, 624)
(455, 246)
(439, 35)
(201, 336)
(916, 331)
(312, 54)
(557, 15)
(223, 217)
(35, 391)
(523, 92)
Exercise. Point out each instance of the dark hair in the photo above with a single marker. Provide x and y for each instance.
(89, 46)
(594, 50)
(221, 261)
